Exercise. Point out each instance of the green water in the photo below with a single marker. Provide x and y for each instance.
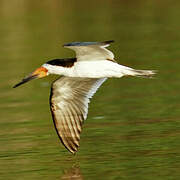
(133, 127)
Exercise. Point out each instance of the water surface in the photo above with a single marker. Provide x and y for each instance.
(133, 127)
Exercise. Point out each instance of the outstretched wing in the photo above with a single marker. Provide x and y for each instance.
(91, 50)
(69, 106)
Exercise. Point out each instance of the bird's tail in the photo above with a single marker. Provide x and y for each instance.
(143, 73)
(139, 73)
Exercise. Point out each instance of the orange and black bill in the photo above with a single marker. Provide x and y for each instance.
(38, 73)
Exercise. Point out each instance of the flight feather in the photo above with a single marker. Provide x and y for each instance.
(69, 106)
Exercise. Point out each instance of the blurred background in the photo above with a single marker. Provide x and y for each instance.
(133, 127)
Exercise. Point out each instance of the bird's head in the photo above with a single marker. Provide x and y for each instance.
(38, 73)
(55, 66)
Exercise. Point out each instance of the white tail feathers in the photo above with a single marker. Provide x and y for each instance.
(141, 73)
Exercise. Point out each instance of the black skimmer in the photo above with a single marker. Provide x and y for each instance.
(81, 77)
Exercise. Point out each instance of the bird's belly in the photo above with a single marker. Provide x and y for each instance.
(96, 69)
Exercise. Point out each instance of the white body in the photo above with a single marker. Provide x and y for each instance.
(71, 93)
(92, 69)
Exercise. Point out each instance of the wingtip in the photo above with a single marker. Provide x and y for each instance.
(108, 42)
(71, 150)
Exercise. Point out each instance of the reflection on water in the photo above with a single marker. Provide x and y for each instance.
(132, 131)
(72, 173)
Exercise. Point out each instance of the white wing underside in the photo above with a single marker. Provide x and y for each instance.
(92, 52)
(69, 106)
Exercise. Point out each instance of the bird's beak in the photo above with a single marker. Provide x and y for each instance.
(38, 73)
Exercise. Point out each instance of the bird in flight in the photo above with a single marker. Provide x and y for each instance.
(81, 77)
